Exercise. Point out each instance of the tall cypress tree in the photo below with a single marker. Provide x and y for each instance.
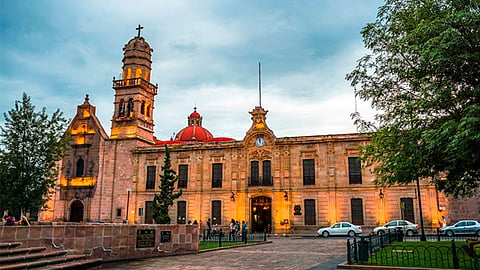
(30, 146)
(164, 200)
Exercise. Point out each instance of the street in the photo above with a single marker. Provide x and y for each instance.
(283, 253)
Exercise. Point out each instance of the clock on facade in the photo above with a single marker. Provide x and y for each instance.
(259, 141)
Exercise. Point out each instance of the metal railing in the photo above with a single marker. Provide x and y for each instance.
(135, 82)
(386, 250)
(260, 181)
(245, 238)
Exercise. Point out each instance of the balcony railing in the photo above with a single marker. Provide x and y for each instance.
(135, 82)
(260, 181)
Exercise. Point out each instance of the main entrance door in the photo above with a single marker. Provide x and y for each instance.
(76, 211)
(261, 214)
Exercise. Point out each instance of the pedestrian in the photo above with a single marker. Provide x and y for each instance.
(444, 222)
(237, 227)
(209, 229)
(24, 221)
(244, 231)
(231, 234)
(195, 222)
(189, 222)
(10, 221)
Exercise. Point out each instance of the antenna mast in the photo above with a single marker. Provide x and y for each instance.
(259, 85)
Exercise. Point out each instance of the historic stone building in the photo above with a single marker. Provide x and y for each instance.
(272, 183)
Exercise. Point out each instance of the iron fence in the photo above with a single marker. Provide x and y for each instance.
(387, 250)
(221, 237)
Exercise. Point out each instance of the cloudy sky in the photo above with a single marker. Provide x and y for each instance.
(206, 54)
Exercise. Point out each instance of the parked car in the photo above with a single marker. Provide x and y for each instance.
(406, 226)
(340, 228)
(462, 227)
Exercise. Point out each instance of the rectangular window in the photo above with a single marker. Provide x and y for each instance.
(308, 172)
(357, 211)
(267, 172)
(217, 175)
(181, 212)
(151, 175)
(148, 212)
(182, 176)
(119, 212)
(140, 211)
(406, 206)
(254, 174)
(354, 170)
(310, 216)
(216, 212)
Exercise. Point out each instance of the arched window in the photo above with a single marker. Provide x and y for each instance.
(80, 167)
(148, 110)
(142, 108)
(130, 107)
(121, 108)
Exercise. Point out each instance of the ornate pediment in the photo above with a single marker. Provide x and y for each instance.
(260, 154)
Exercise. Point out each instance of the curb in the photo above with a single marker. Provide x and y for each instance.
(235, 246)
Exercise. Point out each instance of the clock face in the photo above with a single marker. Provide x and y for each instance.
(259, 141)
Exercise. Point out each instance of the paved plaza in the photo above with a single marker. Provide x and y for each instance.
(283, 253)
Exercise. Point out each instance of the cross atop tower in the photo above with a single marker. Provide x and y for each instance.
(139, 28)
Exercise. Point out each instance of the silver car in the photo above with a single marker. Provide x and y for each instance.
(340, 228)
(462, 227)
(406, 226)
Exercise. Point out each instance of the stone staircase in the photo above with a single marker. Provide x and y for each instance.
(13, 256)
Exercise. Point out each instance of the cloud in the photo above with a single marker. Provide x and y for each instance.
(205, 54)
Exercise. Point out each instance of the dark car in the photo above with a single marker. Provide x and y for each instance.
(462, 227)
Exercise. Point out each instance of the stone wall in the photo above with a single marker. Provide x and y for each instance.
(108, 241)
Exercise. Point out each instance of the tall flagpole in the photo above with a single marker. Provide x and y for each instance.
(259, 85)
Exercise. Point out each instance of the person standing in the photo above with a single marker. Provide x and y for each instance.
(209, 229)
(444, 222)
(231, 235)
(244, 231)
(237, 227)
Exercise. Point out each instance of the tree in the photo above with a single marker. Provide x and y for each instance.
(164, 200)
(30, 145)
(422, 75)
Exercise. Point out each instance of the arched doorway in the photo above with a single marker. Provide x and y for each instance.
(261, 214)
(76, 211)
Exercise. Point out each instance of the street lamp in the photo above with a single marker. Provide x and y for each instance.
(128, 202)
(422, 236)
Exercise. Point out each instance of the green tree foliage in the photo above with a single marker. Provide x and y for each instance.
(423, 77)
(162, 201)
(30, 146)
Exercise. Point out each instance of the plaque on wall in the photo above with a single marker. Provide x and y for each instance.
(145, 238)
(297, 210)
(165, 236)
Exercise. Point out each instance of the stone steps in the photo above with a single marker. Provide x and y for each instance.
(13, 256)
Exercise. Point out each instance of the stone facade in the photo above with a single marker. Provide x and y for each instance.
(293, 184)
(111, 242)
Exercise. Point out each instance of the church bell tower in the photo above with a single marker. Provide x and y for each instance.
(134, 93)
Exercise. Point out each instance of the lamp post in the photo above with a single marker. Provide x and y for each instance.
(422, 236)
(128, 202)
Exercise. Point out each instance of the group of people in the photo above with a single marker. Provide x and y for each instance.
(9, 220)
(235, 228)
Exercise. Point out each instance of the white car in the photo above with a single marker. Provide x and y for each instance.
(406, 226)
(462, 227)
(340, 228)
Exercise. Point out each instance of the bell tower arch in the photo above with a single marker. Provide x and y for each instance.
(134, 93)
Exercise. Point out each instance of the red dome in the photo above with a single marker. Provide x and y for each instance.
(195, 114)
(193, 133)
